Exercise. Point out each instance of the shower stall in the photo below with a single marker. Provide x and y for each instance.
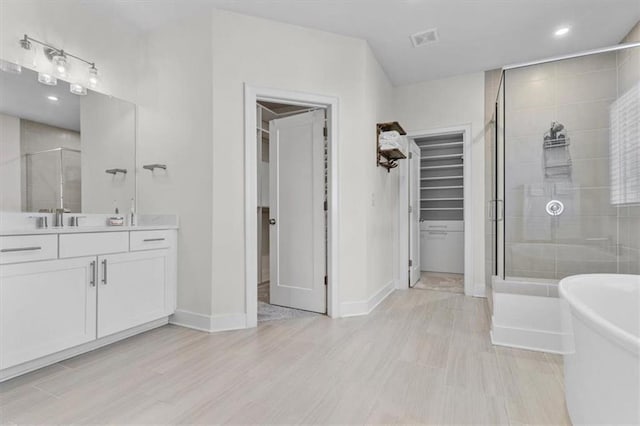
(565, 192)
(52, 179)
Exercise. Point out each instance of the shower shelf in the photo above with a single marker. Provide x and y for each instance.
(442, 178)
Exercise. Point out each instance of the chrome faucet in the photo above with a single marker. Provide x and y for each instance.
(75, 220)
(58, 218)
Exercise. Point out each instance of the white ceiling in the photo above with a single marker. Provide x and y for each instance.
(475, 35)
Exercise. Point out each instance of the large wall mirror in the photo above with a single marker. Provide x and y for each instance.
(61, 150)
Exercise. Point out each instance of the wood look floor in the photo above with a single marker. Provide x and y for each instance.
(441, 281)
(421, 357)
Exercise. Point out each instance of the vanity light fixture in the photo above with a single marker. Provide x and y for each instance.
(47, 79)
(77, 89)
(60, 60)
(10, 67)
(562, 31)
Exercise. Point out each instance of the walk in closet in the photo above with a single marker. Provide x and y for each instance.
(442, 202)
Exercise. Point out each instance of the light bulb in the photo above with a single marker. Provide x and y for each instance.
(47, 79)
(60, 65)
(10, 67)
(77, 89)
(562, 31)
(94, 80)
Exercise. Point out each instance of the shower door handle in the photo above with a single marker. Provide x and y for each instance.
(500, 210)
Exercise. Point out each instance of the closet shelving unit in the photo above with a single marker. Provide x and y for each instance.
(441, 178)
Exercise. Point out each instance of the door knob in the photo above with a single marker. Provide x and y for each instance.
(272, 221)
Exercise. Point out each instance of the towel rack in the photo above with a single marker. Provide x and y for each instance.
(391, 155)
(116, 171)
(155, 166)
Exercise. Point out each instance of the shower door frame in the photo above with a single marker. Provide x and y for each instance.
(500, 159)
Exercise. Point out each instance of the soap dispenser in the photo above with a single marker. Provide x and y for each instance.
(116, 219)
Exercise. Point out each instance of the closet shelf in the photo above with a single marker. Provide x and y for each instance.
(448, 166)
(440, 157)
(442, 199)
(442, 187)
(441, 145)
(441, 208)
(442, 178)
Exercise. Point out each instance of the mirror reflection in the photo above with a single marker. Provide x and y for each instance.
(61, 150)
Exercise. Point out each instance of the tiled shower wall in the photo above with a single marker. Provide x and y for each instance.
(629, 216)
(592, 235)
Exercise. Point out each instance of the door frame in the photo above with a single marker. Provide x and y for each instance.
(403, 217)
(253, 94)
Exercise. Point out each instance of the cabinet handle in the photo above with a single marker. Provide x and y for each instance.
(11, 250)
(148, 240)
(92, 280)
(104, 271)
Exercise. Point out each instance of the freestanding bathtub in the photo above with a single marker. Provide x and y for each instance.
(602, 376)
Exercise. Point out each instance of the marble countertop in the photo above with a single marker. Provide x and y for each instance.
(83, 229)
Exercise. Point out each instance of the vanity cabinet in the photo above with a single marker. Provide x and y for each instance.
(132, 290)
(46, 307)
(99, 287)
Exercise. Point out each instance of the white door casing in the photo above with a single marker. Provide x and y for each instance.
(414, 213)
(297, 216)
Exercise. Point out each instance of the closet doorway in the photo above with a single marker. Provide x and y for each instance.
(290, 246)
(291, 210)
(443, 192)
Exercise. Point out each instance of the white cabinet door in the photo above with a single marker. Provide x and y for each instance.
(132, 290)
(442, 251)
(46, 307)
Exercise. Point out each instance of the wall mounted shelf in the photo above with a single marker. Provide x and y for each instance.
(390, 155)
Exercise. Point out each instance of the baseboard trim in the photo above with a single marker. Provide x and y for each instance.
(530, 339)
(365, 307)
(35, 364)
(209, 323)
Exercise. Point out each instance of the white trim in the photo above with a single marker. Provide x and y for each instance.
(470, 289)
(530, 339)
(208, 323)
(403, 221)
(251, 95)
(573, 55)
(35, 364)
(365, 307)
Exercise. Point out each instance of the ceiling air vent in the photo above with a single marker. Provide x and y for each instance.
(425, 37)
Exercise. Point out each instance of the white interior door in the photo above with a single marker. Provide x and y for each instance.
(414, 213)
(297, 217)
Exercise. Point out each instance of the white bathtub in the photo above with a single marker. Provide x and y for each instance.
(602, 376)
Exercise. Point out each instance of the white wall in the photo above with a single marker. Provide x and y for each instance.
(175, 128)
(452, 102)
(68, 24)
(270, 54)
(10, 198)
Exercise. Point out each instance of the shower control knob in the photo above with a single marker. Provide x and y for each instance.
(555, 207)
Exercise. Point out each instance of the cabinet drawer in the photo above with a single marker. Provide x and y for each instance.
(26, 248)
(149, 240)
(76, 245)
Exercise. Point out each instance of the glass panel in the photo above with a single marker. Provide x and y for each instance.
(572, 175)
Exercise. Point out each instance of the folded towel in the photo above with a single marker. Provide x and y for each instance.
(389, 140)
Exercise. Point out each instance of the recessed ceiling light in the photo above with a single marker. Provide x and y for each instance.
(52, 98)
(561, 31)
